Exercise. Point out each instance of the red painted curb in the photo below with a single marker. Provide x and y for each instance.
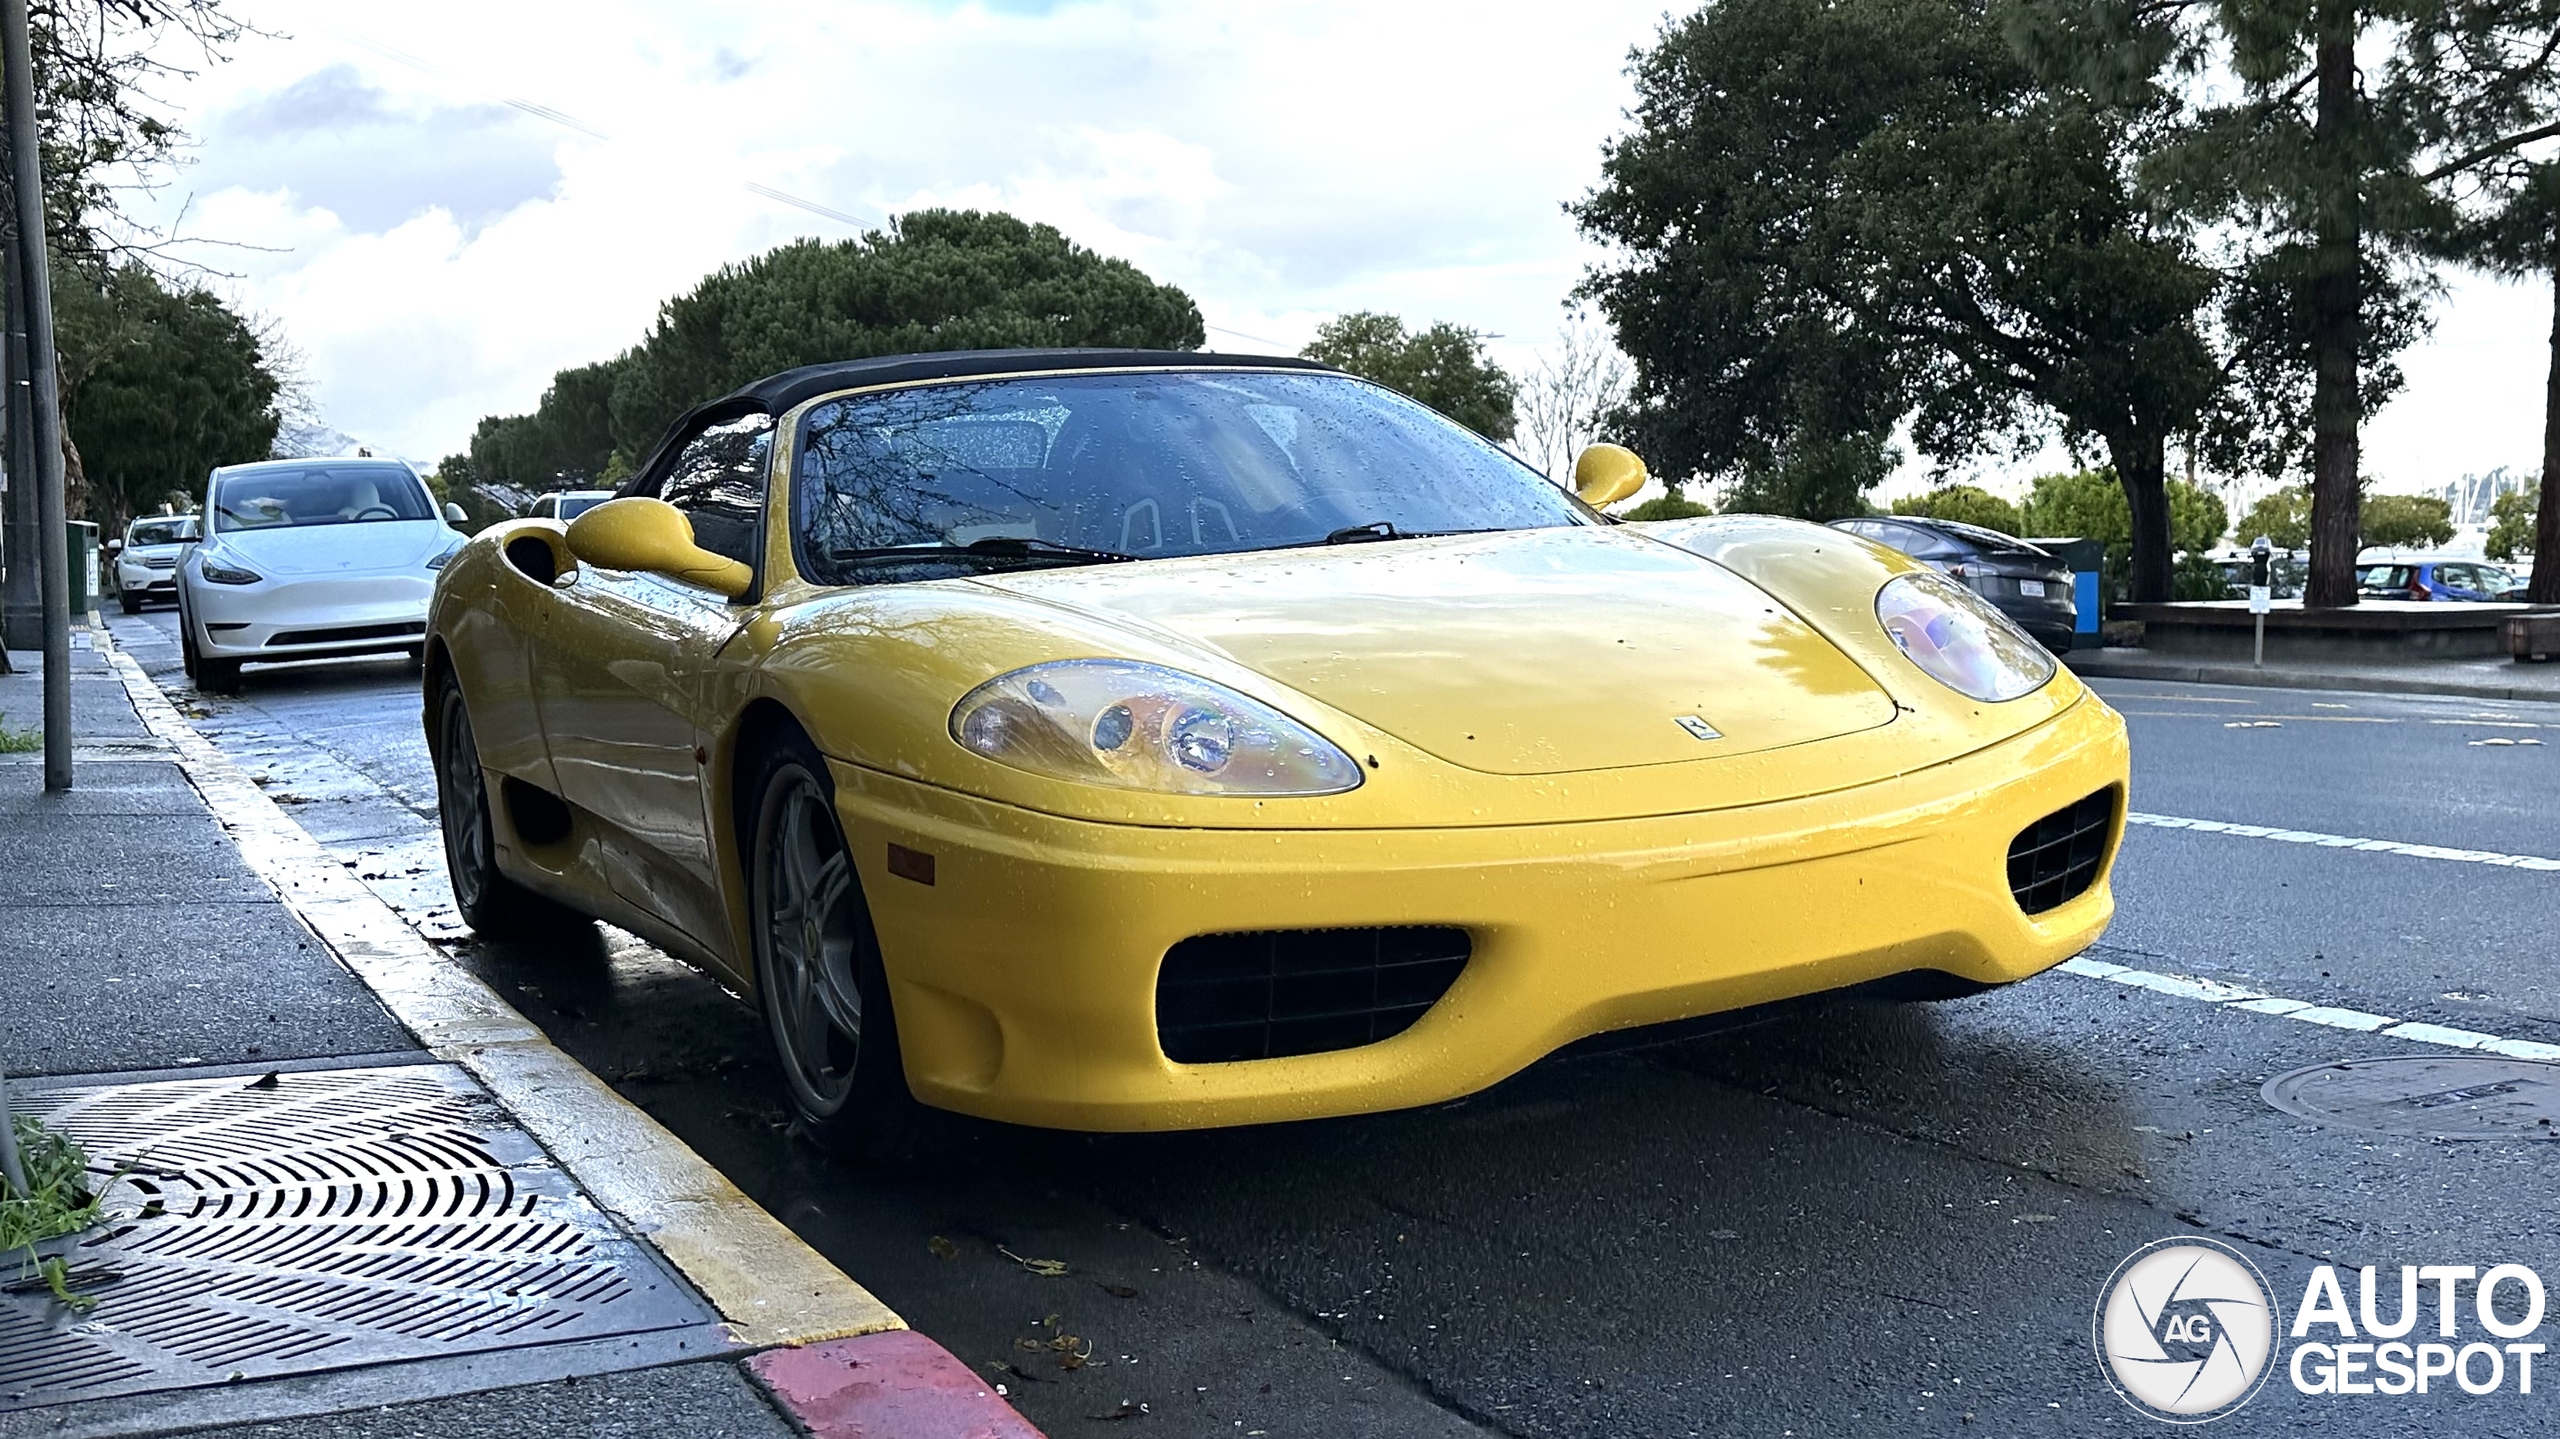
(896, 1385)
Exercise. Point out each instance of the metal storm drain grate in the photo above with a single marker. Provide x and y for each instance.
(317, 1221)
(2427, 1096)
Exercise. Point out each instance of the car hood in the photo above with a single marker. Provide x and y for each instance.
(1527, 652)
(357, 548)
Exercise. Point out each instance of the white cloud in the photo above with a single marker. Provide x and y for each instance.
(441, 249)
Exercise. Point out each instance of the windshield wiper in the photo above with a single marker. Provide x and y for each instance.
(1386, 530)
(992, 547)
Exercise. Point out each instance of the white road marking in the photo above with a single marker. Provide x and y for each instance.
(2345, 841)
(2230, 996)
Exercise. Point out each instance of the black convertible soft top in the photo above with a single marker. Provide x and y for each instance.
(777, 393)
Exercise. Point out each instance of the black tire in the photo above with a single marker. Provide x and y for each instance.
(129, 602)
(817, 966)
(215, 677)
(187, 643)
(495, 906)
(1925, 986)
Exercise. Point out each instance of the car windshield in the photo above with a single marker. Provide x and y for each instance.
(162, 532)
(1988, 539)
(572, 506)
(1145, 466)
(266, 499)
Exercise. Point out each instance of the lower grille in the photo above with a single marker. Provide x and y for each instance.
(1225, 997)
(2055, 860)
(349, 634)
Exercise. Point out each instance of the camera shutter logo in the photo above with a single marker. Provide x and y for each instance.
(2186, 1330)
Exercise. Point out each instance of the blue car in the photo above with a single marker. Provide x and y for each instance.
(2438, 580)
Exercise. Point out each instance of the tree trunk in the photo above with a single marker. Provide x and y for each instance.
(2335, 302)
(2545, 588)
(2142, 467)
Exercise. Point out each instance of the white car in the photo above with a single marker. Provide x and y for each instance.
(147, 557)
(306, 559)
(566, 505)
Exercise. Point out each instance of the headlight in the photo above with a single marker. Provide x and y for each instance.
(1139, 726)
(226, 575)
(444, 557)
(1960, 639)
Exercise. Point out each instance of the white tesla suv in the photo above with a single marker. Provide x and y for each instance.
(304, 559)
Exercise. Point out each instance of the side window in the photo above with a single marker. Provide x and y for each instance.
(718, 481)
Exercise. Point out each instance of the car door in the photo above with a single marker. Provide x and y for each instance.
(627, 668)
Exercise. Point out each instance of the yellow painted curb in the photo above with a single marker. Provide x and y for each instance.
(768, 1285)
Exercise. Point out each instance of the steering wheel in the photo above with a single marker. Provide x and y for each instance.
(373, 511)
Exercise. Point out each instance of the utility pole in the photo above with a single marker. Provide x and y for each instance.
(44, 434)
(22, 596)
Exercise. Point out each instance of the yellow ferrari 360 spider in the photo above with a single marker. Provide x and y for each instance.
(1127, 740)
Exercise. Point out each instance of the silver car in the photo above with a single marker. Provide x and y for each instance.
(306, 559)
(146, 559)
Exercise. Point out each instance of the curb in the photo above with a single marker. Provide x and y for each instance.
(821, 1330)
(2093, 667)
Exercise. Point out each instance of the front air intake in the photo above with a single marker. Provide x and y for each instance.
(1266, 995)
(2056, 859)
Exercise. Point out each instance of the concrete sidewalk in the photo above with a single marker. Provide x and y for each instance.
(2489, 679)
(199, 1017)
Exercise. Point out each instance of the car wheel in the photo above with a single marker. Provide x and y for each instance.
(214, 677)
(818, 972)
(187, 644)
(492, 904)
(129, 602)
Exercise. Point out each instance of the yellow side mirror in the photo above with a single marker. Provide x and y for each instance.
(652, 536)
(1606, 474)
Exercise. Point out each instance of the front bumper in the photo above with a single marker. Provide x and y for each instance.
(285, 619)
(146, 581)
(1024, 976)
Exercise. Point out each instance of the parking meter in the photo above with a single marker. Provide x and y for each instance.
(2261, 592)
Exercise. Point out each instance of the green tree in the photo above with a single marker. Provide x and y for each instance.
(1965, 504)
(2406, 521)
(2511, 527)
(1444, 367)
(160, 385)
(933, 280)
(2283, 516)
(2090, 504)
(1813, 476)
(2314, 157)
(1667, 506)
(1835, 216)
(566, 443)
(2496, 57)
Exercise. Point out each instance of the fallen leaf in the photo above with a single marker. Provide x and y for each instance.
(942, 1248)
(268, 1080)
(1722, 1234)
(1045, 1268)
(1119, 1291)
(1126, 1410)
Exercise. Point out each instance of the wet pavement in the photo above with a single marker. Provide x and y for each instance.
(1833, 1217)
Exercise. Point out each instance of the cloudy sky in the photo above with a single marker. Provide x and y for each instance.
(444, 204)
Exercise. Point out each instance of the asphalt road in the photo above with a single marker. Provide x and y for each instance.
(1834, 1217)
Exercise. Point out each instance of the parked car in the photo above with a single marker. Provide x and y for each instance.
(2023, 581)
(566, 505)
(146, 558)
(310, 558)
(2439, 580)
(2285, 572)
(1126, 740)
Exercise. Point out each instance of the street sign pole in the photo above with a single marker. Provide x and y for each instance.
(35, 287)
(2261, 590)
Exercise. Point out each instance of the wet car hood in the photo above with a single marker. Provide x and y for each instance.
(1520, 653)
(362, 547)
